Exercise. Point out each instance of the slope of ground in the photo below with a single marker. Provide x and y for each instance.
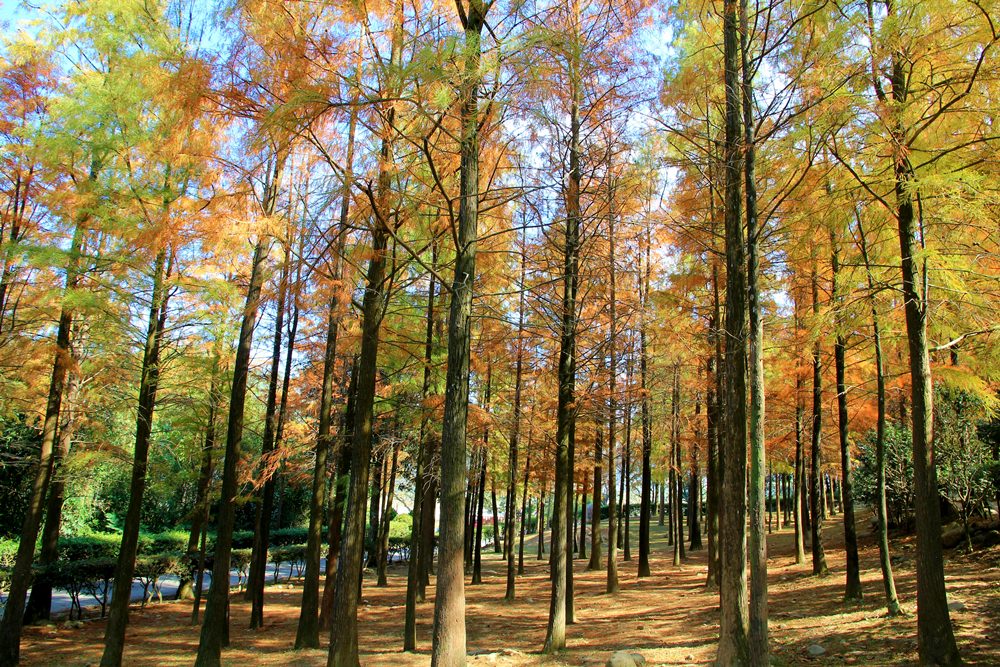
(670, 618)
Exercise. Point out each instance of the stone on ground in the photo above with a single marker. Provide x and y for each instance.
(626, 659)
(815, 650)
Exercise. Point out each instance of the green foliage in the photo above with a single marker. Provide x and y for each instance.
(400, 527)
(288, 536)
(89, 547)
(243, 539)
(965, 462)
(91, 576)
(898, 473)
(175, 541)
(19, 447)
(8, 552)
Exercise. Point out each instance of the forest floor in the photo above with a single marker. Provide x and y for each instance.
(670, 618)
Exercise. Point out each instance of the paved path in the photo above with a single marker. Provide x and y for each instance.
(168, 587)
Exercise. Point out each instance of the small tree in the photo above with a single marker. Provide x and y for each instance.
(898, 474)
(964, 459)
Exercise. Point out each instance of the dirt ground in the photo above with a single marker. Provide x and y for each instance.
(670, 618)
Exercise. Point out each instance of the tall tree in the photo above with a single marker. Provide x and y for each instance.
(215, 628)
(815, 470)
(449, 605)
(852, 589)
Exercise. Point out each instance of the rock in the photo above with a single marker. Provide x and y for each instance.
(625, 659)
(952, 536)
(956, 605)
(990, 538)
(815, 650)
(689, 658)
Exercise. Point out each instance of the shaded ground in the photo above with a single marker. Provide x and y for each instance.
(670, 618)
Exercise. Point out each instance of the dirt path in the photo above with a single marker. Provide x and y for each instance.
(670, 618)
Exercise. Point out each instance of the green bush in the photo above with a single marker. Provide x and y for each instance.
(239, 560)
(288, 536)
(242, 539)
(8, 552)
(92, 576)
(898, 474)
(20, 442)
(293, 554)
(149, 570)
(89, 547)
(167, 541)
(400, 526)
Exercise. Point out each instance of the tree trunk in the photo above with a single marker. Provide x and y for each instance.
(627, 471)
(935, 635)
(418, 552)
(386, 520)
(477, 568)
(562, 539)
(449, 604)
(694, 489)
(595, 515)
(20, 576)
(40, 599)
(524, 510)
(733, 632)
(713, 365)
(645, 508)
(758, 467)
(612, 580)
(510, 525)
(675, 462)
(816, 474)
(570, 526)
(344, 622)
(885, 561)
(541, 524)
(215, 628)
(852, 589)
(114, 635)
(338, 499)
(477, 557)
(200, 568)
(582, 516)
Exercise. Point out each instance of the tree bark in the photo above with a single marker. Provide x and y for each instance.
(215, 628)
(262, 522)
(816, 473)
(647, 424)
(449, 605)
(338, 499)
(562, 540)
(885, 561)
(386, 519)
(510, 525)
(418, 552)
(758, 466)
(595, 515)
(114, 635)
(40, 599)
(733, 632)
(524, 509)
(694, 489)
(344, 622)
(20, 576)
(852, 589)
